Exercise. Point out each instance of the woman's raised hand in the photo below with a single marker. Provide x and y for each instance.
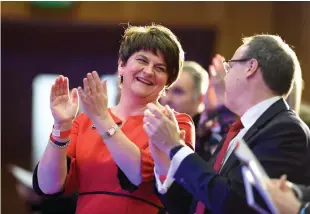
(94, 97)
(64, 106)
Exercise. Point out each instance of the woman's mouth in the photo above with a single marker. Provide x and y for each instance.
(144, 81)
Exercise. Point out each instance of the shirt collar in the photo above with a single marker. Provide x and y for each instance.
(251, 115)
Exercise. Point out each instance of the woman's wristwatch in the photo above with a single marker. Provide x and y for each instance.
(111, 131)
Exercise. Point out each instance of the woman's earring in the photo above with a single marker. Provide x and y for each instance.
(120, 81)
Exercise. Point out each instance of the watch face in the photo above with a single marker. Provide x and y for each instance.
(111, 131)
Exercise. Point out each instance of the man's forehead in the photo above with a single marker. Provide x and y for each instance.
(240, 52)
(184, 81)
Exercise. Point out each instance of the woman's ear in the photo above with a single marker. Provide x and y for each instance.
(120, 68)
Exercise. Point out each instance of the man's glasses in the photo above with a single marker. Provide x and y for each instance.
(227, 62)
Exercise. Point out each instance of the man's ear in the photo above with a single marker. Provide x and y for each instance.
(252, 68)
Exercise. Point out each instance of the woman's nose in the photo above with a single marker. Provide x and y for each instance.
(148, 70)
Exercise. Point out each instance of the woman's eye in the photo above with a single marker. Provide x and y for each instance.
(142, 60)
(161, 69)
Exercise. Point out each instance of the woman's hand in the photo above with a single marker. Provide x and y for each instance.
(94, 97)
(63, 106)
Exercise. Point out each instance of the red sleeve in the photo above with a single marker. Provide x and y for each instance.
(186, 124)
(71, 184)
(147, 165)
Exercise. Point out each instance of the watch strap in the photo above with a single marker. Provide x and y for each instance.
(61, 134)
(111, 131)
(174, 150)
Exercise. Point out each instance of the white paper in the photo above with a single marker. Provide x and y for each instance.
(22, 175)
(254, 175)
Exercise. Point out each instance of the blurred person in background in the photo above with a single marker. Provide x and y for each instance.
(304, 113)
(189, 95)
(215, 120)
(186, 95)
(104, 153)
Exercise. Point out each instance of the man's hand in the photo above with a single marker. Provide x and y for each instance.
(162, 130)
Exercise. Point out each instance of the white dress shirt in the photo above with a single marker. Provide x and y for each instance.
(248, 119)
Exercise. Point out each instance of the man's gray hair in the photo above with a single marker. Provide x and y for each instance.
(278, 62)
(199, 76)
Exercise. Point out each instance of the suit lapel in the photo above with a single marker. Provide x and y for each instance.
(264, 119)
(217, 150)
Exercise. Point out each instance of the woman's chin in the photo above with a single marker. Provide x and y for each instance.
(141, 91)
(141, 95)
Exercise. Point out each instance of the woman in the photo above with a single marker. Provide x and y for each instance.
(104, 152)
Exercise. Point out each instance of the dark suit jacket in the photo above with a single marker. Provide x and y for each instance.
(279, 139)
(305, 190)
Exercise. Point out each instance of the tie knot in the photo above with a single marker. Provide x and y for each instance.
(237, 125)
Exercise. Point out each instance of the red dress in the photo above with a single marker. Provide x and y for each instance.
(93, 170)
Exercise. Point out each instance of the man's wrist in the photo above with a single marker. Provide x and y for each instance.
(160, 171)
(174, 150)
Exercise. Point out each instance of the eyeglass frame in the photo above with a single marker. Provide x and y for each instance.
(235, 60)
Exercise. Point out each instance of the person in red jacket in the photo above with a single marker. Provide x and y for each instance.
(103, 153)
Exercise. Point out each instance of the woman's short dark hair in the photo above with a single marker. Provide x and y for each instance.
(154, 38)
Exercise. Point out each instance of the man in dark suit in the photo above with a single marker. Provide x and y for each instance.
(305, 193)
(258, 77)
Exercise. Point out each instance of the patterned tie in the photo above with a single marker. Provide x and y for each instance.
(233, 131)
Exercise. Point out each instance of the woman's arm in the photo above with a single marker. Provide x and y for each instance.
(52, 169)
(125, 153)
